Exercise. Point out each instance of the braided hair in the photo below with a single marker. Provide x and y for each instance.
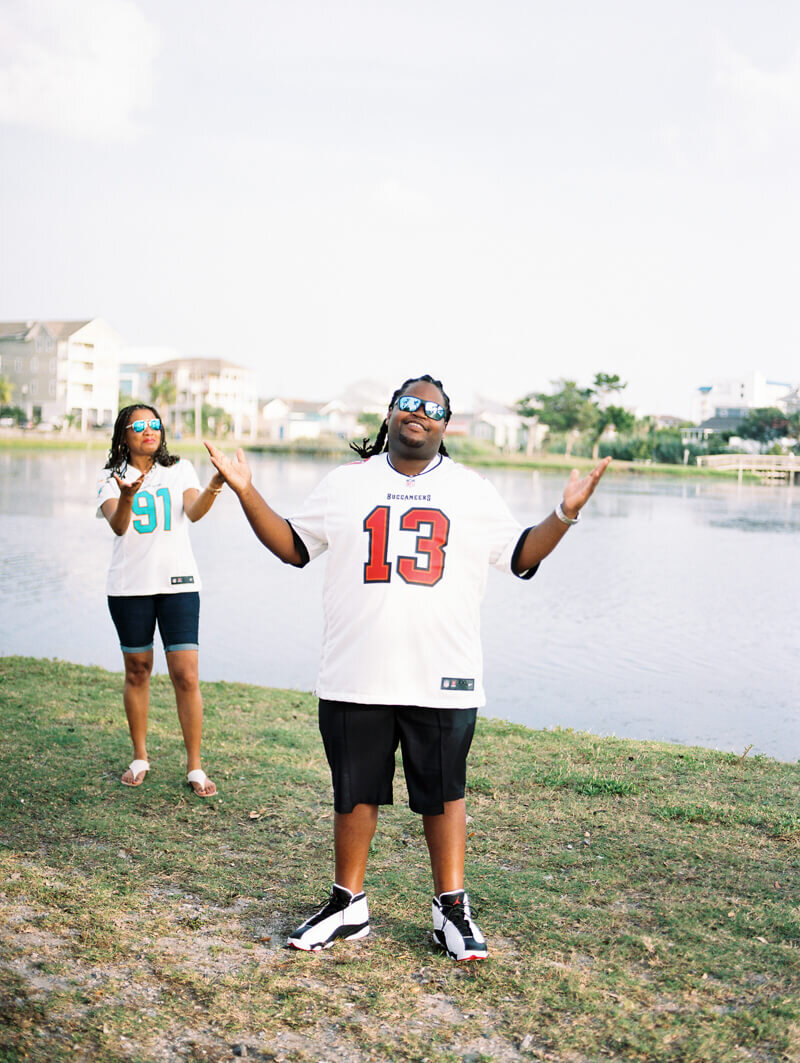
(365, 450)
(119, 454)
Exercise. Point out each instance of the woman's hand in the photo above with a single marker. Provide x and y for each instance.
(117, 511)
(126, 490)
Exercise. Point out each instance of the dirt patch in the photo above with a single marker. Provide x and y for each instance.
(201, 949)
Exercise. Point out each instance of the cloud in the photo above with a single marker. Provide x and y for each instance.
(766, 102)
(83, 68)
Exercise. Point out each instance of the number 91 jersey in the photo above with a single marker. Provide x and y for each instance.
(407, 566)
(154, 556)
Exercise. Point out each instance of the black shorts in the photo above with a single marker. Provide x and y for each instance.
(361, 740)
(135, 617)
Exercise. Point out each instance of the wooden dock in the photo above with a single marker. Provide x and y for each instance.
(770, 468)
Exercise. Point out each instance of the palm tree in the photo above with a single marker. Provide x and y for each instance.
(163, 394)
(6, 391)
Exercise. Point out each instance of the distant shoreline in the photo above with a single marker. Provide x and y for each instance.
(467, 451)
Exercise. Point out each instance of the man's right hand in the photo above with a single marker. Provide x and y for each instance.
(236, 473)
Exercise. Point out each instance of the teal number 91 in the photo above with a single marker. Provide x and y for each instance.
(145, 514)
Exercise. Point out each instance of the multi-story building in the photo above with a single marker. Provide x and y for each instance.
(134, 383)
(730, 396)
(62, 371)
(212, 382)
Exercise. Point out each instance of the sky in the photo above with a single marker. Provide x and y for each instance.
(503, 194)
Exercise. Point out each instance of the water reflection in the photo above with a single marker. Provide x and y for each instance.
(667, 613)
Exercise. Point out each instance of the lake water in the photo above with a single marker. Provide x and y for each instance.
(669, 613)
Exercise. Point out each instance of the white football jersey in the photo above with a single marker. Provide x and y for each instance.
(154, 556)
(407, 569)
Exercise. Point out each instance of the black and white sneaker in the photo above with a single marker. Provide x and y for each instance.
(344, 916)
(454, 929)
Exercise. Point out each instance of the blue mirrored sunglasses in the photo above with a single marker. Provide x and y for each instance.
(139, 426)
(411, 403)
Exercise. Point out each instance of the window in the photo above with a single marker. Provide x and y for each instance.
(52, 389)
(34, 364)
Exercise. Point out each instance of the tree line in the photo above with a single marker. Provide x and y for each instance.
(590, 422)
(580, 420)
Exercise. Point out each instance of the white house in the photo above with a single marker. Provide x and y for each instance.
(501, 425)
(287, 420)
(211, 381)
(745, 392)
(134, 381)
(62, 369)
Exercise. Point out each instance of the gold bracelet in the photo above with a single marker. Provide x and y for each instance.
(214, 490)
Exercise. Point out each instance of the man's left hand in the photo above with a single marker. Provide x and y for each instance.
(580, 489)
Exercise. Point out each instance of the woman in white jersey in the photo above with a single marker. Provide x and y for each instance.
(148, 496)
(409, 536)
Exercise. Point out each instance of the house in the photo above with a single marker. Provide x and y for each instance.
(287, 420)
(790, 402)
(745, 392)
(505, 428)
(726, 419)
(210, 382)
(721, 406)
(134, 383)
(62, 371)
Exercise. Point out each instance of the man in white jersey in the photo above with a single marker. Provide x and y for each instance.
(410, 535)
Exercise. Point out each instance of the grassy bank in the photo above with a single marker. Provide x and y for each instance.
(640, 900)
(470, 452)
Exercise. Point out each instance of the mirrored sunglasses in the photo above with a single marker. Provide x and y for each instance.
(139, 426)
(432, 409)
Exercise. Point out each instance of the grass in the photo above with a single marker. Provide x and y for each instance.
(468, 451)
(640, 899)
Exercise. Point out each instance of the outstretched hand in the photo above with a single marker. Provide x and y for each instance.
(580, 489)
(128, 490)
(236, 473)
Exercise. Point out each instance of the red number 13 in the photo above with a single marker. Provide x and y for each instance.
(378, 568)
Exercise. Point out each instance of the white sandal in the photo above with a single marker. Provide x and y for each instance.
(200, 777)
(137, 767)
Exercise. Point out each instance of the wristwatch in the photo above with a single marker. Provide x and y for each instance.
(562, 516)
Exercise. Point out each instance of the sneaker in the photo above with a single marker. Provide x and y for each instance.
(344, 916)
(454, 930)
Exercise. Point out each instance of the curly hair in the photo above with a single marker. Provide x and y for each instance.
(366, 450)
(119, 454)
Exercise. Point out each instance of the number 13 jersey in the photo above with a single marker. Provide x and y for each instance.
(407, 565)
